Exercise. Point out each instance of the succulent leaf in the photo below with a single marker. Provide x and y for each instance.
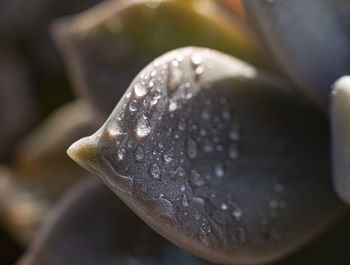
(108, 45)
(307, 39)
(340, 121)
(100, 229)
(217, 157)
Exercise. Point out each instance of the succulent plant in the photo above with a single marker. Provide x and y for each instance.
(215, 144)
(307, 39)
(197, 147)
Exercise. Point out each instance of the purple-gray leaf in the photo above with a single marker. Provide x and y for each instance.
(221, 159)
(90, 226)
(307, 39)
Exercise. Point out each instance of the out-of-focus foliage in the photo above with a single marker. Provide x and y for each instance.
(90, 210)
(18, 111)
(308, 40)
(104, 48)
(40, 170)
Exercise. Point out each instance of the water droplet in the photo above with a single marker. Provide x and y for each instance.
(233, 152)
(219, 148)
(198, 200)
(114, 129)
(154, 170)
(225, 114)
(273, 204)
(224, 206)
(233, 133)
(157, 95)
(183, 188)
(155, 152)
(191, 148)
(181, 125)
(196, 178)
(179, 58)
(130, 143)
(151, 84)
(219, 170)
(140, 90)
(168, 157)
(202, 132)
(178, 172)
(278, 187)
(189, 95)
(175, 78)
(143, 127)
(121, 154)
(156, 63)
(237, 213)
(139, 154)
(185, 202)
(153, 73)
(196, 59)
(164, 206)
(199, 70)
(206, 114)
(175, 63)
(208, 146)
(172, 105)
(133, 106)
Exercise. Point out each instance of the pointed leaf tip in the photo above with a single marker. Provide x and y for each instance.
(83, 152)
(219, 158)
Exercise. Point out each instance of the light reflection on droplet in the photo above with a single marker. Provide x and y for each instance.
(143, 127)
